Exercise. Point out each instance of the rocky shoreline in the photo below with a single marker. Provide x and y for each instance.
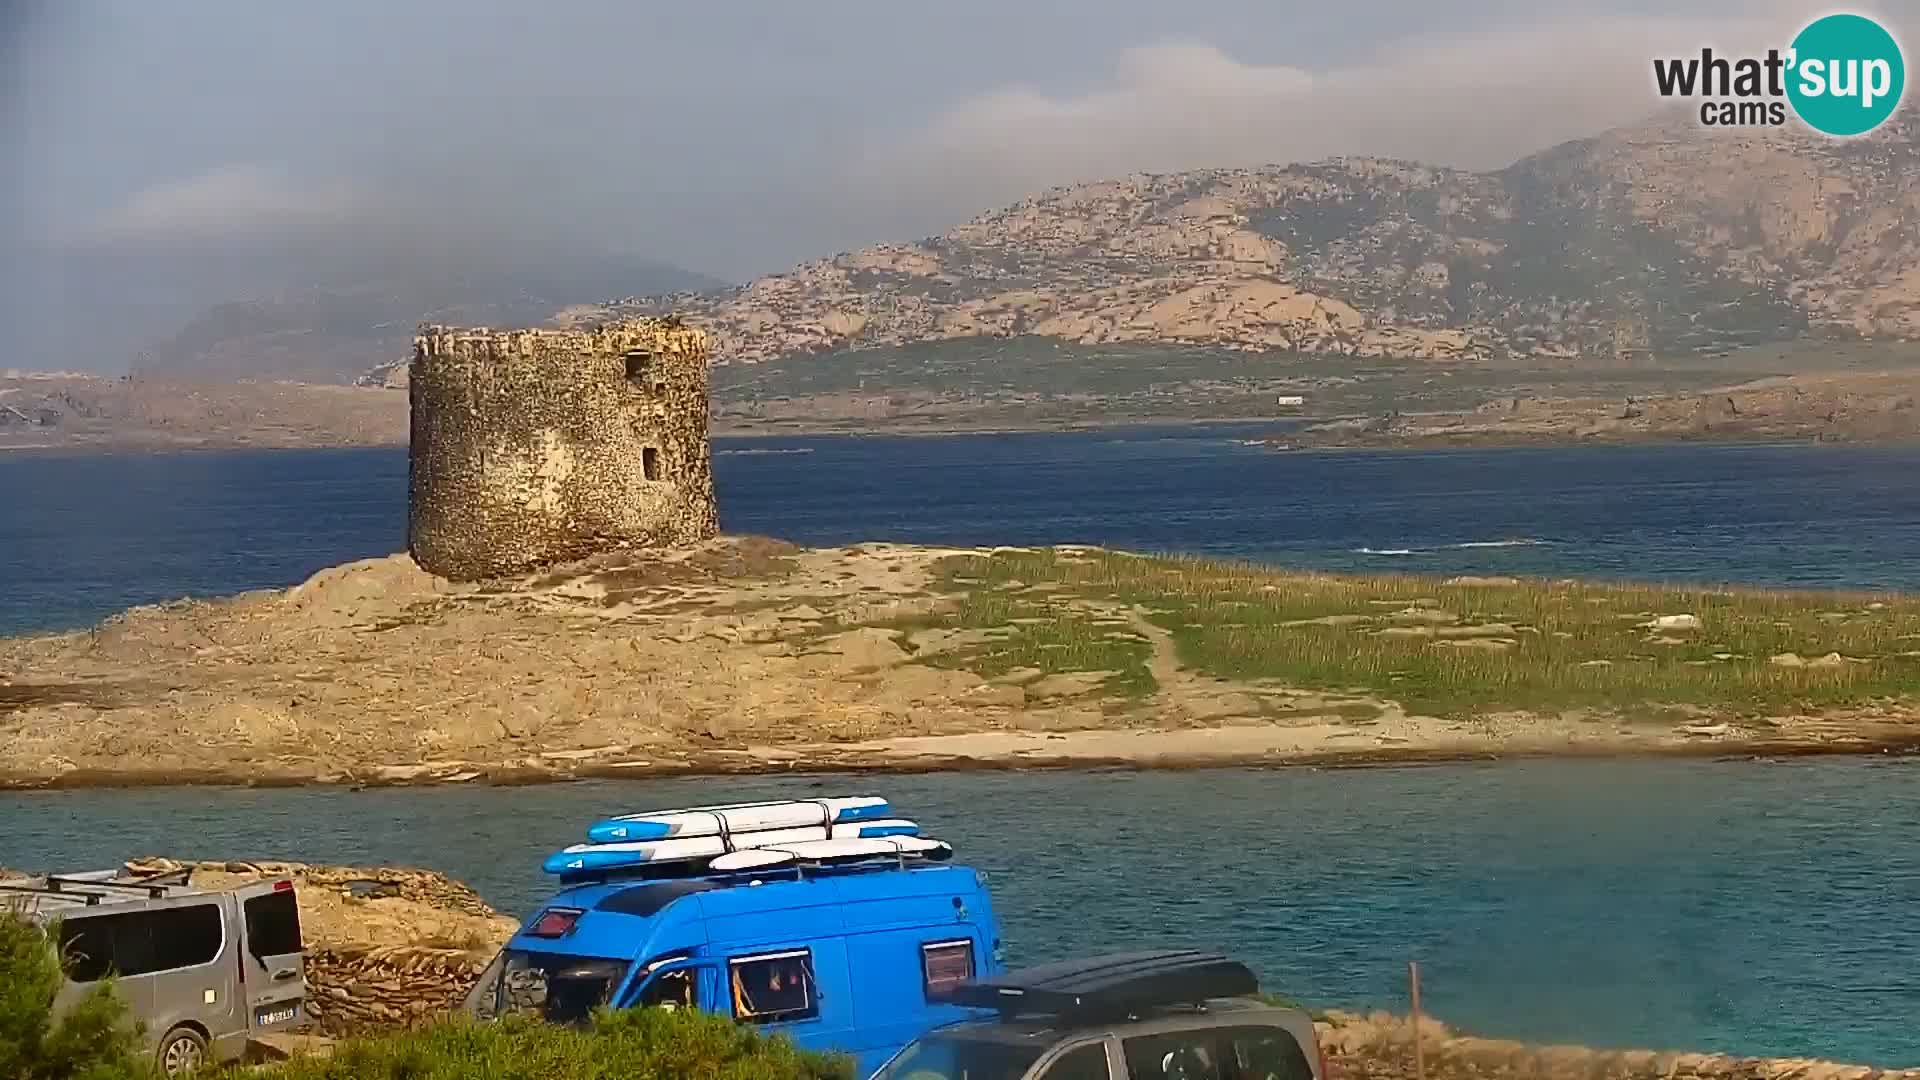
(1380, 1046)
(1022, 755)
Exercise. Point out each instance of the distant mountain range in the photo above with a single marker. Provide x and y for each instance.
(1665, 235)
(334, 329)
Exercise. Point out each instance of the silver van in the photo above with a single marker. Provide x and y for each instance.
(202, 971)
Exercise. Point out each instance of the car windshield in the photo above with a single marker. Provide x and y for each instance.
(950, 1057)
(557, 988)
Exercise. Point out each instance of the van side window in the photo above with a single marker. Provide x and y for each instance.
(86, 947)
(184, 937)
(1237, 1053)
(945, 964)
(773, 987)
(1080, 1063)
(670, 989)
(141, 942)
(1174, 1055)
(1269, 1054)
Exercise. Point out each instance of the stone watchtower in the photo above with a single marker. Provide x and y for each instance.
(533, 447)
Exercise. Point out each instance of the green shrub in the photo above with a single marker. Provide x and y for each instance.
(92, 1040)
(632, 1044)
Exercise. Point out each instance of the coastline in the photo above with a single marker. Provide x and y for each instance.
(839, 761)
(1299, 439)
(109, 448)
(1438, 444)
(1303, 444)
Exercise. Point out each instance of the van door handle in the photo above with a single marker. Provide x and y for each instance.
(284, 976)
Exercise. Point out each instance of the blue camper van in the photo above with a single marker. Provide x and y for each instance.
(842, 944)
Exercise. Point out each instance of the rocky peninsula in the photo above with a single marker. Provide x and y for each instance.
(744, 654)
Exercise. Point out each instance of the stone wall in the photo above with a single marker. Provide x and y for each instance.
(532, 447)
(1380, 1047)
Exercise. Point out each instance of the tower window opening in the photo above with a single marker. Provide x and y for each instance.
(640, 367)
(650, 462)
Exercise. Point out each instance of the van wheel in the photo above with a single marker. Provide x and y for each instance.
(182, 1051)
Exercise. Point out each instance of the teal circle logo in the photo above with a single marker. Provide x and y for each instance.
(1847, 75)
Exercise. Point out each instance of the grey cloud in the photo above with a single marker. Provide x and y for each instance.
(1477, 100)
(234, 198)
(731, 139)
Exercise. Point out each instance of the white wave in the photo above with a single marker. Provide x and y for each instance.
(760, 450)
(1523, 542)
(1384, 551)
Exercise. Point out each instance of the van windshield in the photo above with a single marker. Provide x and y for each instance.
(557, 988)
(945, 1057)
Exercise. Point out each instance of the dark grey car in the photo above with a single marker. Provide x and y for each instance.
(1133, 1016)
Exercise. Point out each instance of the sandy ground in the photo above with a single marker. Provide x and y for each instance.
(742, 655)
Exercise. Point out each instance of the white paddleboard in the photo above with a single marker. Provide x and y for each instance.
(738, 817)
(830, 851)
(583, 857)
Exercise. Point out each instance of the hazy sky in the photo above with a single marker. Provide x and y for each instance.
(730, 138)
(736, 138)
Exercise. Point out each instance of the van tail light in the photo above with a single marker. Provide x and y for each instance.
(1320, 1052)
(283, 886)
(554, 922)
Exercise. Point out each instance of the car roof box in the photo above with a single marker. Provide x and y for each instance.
(1115, 984)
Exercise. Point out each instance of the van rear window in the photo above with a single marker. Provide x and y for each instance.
(945, 965)
(273, 924)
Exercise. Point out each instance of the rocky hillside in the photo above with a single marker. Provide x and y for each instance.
(1696, 240)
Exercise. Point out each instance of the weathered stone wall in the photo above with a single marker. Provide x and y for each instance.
(1379, 1046)
(532, 447)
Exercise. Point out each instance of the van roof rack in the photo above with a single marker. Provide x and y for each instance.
(94, 887)
(1115, 984)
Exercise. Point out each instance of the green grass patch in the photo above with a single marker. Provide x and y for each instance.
(1032, 630)
(1562, 644)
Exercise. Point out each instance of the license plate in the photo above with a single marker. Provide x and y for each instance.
(277, 1016)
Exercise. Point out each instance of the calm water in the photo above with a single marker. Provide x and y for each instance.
(1760, 908)
(81, 537)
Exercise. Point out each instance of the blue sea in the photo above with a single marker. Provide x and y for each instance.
(1749, 906)
(83, 537)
